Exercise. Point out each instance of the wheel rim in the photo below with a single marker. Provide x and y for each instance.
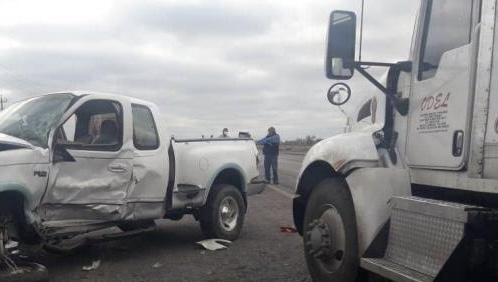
(229, 213)
(326, 240)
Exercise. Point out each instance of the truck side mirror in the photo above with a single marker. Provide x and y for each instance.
(341, 41)
(339, 94)
(61, 154)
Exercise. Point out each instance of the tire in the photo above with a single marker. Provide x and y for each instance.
(28, 272)
(334, 259)
(217, 217)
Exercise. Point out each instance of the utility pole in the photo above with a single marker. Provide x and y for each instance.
(2, 100)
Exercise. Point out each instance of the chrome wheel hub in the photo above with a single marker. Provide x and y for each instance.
(229, 213)
(326, 239)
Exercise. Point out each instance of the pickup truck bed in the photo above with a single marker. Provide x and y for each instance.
(195, 172)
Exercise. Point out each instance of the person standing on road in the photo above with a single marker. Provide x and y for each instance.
(224, 133)
(271, 144)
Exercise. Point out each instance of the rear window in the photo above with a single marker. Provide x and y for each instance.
(145, 135)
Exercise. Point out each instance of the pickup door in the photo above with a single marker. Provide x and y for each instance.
(116, 169)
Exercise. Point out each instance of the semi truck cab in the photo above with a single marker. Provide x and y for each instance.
(413, 197)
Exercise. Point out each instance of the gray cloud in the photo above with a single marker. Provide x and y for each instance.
(207, 64)
(205, 19)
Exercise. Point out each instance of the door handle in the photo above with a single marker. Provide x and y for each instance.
(457, 143)
(120, 168)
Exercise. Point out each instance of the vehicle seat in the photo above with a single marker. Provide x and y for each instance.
(108, 133)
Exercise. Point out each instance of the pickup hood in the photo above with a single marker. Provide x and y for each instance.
(8, 142)
(14, 151)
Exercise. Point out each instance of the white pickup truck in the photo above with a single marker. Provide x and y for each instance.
(71, 163)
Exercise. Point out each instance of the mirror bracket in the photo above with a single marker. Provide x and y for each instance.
(400, 104)
(61, 154)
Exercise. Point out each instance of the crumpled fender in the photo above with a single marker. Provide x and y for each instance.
(27, 195)
(344, 152)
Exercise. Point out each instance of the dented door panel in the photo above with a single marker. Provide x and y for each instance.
(147, 190)
(89, 188)
(95, 185)
(147, 193)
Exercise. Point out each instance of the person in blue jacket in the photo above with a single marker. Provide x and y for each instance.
(271, 144)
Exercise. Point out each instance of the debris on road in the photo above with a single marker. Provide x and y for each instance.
(157, 265)
(11, 245)
(214, 244)
(95, 265)
(288, 229)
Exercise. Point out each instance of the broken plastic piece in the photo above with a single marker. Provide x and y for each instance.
(288, 229)
(95, 265)
(157, 265)
(214, 244)
(11, 244)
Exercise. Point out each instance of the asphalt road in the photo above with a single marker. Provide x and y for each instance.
(289, 165)
(262, 253)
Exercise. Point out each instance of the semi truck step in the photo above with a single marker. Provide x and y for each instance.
(393, 271)
(423, 234)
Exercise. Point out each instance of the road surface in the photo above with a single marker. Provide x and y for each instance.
(262, 253)
(289, 165)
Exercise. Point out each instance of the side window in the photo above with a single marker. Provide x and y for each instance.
(96, 125)
(365, 111)
(145, 135)
(448, 25)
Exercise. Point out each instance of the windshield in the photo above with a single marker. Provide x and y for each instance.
(31, 120)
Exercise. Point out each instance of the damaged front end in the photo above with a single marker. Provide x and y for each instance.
(23, 179)
(25, 162)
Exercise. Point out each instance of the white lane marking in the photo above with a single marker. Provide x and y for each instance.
(282, 192)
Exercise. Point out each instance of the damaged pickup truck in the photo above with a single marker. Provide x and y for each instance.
(72, 163)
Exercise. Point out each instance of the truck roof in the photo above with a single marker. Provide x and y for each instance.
(109, 95)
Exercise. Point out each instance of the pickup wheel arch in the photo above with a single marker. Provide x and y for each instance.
(311, 176)
(232, 177)
(12, 203)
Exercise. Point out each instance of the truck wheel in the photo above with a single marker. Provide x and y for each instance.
(330, 238)
(26, 271)
(223, 215)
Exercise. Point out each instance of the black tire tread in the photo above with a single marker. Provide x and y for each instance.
(209, 213)
(334, 191)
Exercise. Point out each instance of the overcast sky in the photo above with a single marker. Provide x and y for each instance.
(241, 64)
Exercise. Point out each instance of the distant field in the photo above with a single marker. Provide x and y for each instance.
(291, 149)
(296, 149)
